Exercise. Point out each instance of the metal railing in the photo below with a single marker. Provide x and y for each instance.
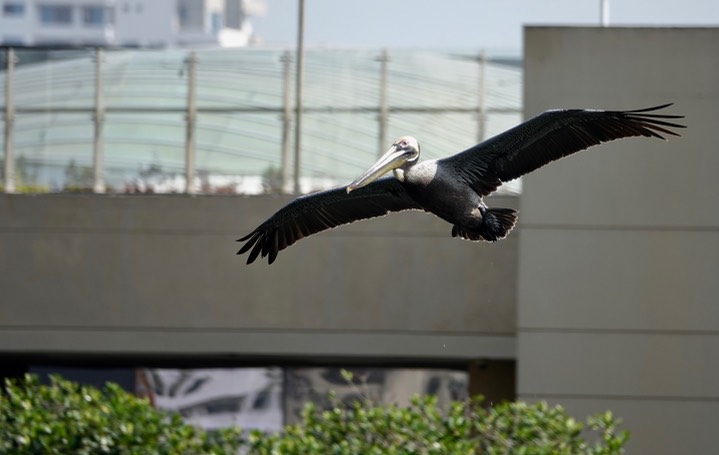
(382, 108)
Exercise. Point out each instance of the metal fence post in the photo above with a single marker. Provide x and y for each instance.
(9, 122)
(190, 119)
(482, 97)
(286, 124)
(383, 108)
(298, 95)
(98, 184)
(604, 13)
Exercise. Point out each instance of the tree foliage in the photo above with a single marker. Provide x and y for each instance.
(65, 417)
(466, 428)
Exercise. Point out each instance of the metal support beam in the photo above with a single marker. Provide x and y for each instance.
(9, 176)
(98, 185)
(604, 13)
(298, 95)
(286, 124)
(482, 97)
(383, 116)
(190, 118)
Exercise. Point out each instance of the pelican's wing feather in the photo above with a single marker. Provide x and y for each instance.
(316, 212)
(550, 136)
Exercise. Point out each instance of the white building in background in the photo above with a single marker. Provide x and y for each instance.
(128, 23)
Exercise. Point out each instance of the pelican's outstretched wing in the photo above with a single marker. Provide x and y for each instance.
(550, 136)
(323, 210)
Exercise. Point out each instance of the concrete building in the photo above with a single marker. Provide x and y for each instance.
(128, 23)
(604, 298)
(619, 248)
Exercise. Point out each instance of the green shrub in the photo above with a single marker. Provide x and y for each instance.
(65, 417)
(68, 418)
(466, 428)
(31, 189)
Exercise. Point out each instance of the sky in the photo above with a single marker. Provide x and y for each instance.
(495, 25)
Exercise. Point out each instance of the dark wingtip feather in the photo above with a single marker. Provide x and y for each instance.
(272, 256)
(251, 240)
(649, 109)
(242, 239)
(255, 252)
(655, 118)
(274, 249)
(655, 125)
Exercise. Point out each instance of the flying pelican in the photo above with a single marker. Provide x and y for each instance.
(452, 188)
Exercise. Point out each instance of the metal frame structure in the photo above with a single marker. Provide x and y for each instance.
(290, 162)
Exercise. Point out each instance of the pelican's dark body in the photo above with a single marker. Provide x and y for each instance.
(434, 187)
(452, 188)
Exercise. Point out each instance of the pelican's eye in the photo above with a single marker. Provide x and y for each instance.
(403, 143)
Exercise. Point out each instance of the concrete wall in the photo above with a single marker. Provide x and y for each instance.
(619, 251)
(158, 275)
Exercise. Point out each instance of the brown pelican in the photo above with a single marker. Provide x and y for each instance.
(452, 188)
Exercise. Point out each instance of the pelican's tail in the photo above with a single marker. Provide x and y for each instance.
(496, 224)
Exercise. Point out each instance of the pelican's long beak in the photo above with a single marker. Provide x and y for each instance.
(393, 159)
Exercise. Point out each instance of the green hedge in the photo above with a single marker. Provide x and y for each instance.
(68, 418)
(65, 417)
(466, 428)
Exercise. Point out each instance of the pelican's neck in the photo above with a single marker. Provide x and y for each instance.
(400, 173)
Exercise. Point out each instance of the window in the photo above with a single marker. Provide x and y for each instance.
(13, 9)
(216, 21)
(183, 15)
(262, 400)
(55, 14)
(10, 40)
(93, 16)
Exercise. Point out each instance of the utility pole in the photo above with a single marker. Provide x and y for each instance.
(298, 95)
(604, 12)
(383, 108)
(482, 97)
(286, 123)
(190, 118)
(9, 121)
(98, 185)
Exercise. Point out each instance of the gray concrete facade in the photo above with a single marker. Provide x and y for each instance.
(619, 247)
(158, 275)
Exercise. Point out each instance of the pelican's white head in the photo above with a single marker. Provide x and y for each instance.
(404, 151)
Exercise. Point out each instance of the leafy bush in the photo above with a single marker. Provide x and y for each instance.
(466, 428)
(65, 417)
(32, 189)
